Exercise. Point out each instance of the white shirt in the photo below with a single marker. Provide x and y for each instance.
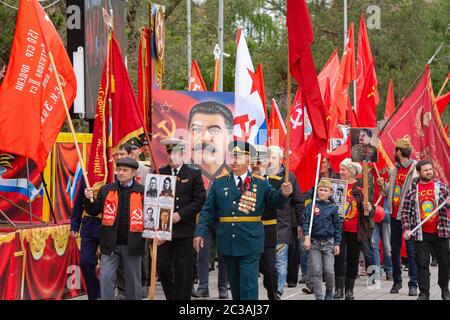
(236, 178)
(178, 169)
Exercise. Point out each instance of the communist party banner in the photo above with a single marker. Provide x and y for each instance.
(204, 119)
(418, 119)
(29, 95)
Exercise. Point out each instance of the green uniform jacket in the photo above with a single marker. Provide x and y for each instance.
(237, 238)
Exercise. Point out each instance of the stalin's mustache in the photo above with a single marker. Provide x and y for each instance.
(205, 147)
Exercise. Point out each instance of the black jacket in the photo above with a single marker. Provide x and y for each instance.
(190, 194)
(88, 226)
(270, 231)
(326, 222)
(109, 235)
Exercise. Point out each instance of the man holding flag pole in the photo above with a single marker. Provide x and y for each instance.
(428, 231)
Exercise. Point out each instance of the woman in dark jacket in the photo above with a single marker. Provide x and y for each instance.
(357, 227)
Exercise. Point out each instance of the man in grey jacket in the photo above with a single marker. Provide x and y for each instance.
(400, 179)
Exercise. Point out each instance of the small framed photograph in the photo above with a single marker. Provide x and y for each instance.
(336, 143)
(364, 142)
(167, 190)
(164, 230)
(339, 196)
(150, 221)
(151, 190)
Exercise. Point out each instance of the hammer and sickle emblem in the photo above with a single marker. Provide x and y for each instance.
(137, 214)
(298, 121)
(110, 208)
(246, 130)
(164, 132)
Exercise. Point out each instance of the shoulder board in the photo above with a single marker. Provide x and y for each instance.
(224, 174)
(258, 176)
(192, 167)
(275, 177)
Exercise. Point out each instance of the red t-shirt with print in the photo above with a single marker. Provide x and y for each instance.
(399, 182)
(427, 204)
(351, 212)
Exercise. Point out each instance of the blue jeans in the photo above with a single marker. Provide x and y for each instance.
(203, 263)
(396, 245)
(322, 260)
(281, 265)
(383, 231)
(303, 256)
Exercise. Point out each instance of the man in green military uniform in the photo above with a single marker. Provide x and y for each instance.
(364, 151)
(238, 200)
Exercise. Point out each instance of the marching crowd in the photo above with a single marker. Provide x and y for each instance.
(261, 224)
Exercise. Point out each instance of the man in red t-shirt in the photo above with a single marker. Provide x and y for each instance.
(421, 201)
(400, 180)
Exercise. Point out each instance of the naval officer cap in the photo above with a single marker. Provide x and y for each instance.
(237, 147)
(174, 144)
(127, 162)
(262, 153)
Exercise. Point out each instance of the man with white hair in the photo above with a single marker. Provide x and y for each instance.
(288, 223)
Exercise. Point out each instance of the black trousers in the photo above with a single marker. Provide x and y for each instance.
(347, 262)
(175, 266)
(293, 259)
(423, 249)
(269, 272)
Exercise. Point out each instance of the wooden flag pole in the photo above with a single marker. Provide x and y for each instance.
(288, 120)
(69, 120)
(366, 184)
(443, 86)
(376, 170)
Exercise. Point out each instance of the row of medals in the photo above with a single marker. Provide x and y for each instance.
(248, 201)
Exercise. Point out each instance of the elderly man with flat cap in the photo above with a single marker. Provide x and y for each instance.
(120, 203)
(175, 263)
(238, 199)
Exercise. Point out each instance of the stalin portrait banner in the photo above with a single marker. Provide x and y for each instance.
(203, 119)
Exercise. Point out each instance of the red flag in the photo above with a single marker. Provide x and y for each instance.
(390, 101)
(442, 102)
(340, 101)
(115, 122)
(31, 107)
(144, 93)
(300, 38)
(196, 82)
(418, 119)
(364, 62)
(446, 129)
(339, 154)
(367, 116)
(304, 162)
(277, 127)
(329, 72)
(297, 122)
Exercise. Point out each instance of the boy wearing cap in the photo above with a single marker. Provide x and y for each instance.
(120, 203)
(400, 181)
(324, 240)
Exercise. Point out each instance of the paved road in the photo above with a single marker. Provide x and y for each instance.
(361, 292)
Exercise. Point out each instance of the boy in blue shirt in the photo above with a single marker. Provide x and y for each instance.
(323, 243)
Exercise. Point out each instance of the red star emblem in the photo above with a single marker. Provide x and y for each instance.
(165, 107)
(257, 82)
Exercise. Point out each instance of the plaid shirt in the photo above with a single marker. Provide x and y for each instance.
(411, 212)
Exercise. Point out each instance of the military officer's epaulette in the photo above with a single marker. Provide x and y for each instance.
(223, 175)
(275, 177)
(258, 176)
(193, 166)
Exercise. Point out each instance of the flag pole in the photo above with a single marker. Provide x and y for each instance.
(29, 194)
(428, 218)
(319, 161)
(69, 120)
(366, 183)
(443, 86)
(288, 119)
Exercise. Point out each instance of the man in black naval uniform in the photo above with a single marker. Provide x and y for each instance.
(238, 200)
(175, 263)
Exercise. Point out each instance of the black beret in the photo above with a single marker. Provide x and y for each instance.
(127, 162)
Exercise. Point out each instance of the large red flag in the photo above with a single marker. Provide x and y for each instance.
(418, 119)
(277, 128)
(367, 115)
(304, 162)
(118, 117)
(300, 38)
(390, 101)
(297, 122)
(196, 82)
(31, 106)
(364, 62)
(340, 101)
(329, 72)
